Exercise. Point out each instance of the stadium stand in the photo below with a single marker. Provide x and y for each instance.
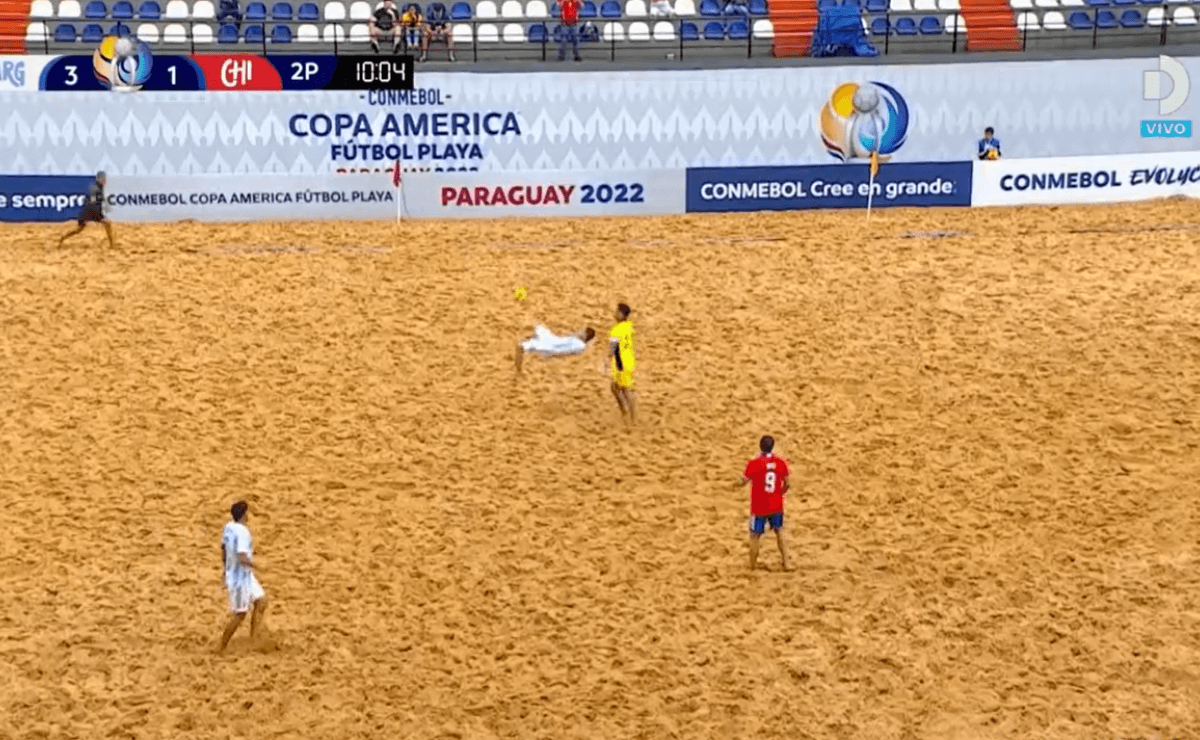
(611, 29)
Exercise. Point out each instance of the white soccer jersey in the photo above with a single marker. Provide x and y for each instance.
(545, 342)
(236, 539)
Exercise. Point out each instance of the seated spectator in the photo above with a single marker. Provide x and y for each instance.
(438, 29)
(413, 24)
(989, 145)
(384, 26)
(736, 7)
(661, 7)
(228, 10)
(570, 29)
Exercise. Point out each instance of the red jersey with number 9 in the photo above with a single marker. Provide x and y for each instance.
(768, 481)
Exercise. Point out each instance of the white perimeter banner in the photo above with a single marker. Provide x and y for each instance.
(1071, 180)
(371, 196)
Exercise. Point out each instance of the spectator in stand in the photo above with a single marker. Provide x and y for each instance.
(413, 24)
(570, 29)
(661, 7)
(229, 12)
(383, 25)
(438, 29)
(736, 7)
(989, 145)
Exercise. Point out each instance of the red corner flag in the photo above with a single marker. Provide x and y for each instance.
(396, 174)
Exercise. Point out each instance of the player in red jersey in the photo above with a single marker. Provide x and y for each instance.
(767, 475)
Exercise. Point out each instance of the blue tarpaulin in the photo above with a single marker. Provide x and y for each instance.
(840, 33)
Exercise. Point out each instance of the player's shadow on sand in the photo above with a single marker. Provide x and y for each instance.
(265, 643)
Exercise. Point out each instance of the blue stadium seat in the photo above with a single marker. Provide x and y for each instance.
(877, 6)
(758, 7)
(588, 10)
(1106, 19)
(879, 27)
(120, 29)
(709, 7)
(1080, 21)
(537, 34)
(95, 10)
(555, 11)
(122, 10)
(228, 34)
(92, 33)
(460, 12)
(1124, 2)
(1152, 2)
(150, 10)
(610, 9)
(739, 31)
(256, 12)
(1097, 3)
(688, 31)
(281, 34)
(1132, 19)
(64, 34)
(714, 31)
(824, 5)
(254, 34)
(281, 11)
(929, 26)
(589, 33)
(309, 12)
(906, 27)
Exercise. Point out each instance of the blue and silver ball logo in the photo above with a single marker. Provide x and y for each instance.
(122, 63)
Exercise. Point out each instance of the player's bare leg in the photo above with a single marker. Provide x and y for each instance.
(631, 404)
(617, 394)
(256, 616)
(754, 542)
(520, 357)
(782, 548)
(108, 230)
(235, 621)
(77, 230)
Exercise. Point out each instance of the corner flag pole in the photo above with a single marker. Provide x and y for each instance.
(871, 183)
(398, 183)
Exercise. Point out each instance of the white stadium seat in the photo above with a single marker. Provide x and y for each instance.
(536, 9)
(360, 11)
(1071, 3)
(1156, 17)
(36, 31)
(764, 29)
(148, 32)
(176, 9)
(514, 33)
(951, 6)
(511, 9)
(1028, 22)
(174, 34)
(1054, 21)
(1021, 4)
(1048, 4)
(639, 31)
(636, 9)
(359, 32)
(1185, 17)
(956, 23)
(69, 9)
(613, 32)
(685, 8)
(664, 31)
(901, 6)
(487, 34)
(925, 6)
(461, 33)
(202, 33)
(333, 32)
(335, 12)
(41, 9)
(308, 34)
(203, 10)
(486, 10)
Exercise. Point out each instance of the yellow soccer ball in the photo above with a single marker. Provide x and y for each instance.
(521, 294)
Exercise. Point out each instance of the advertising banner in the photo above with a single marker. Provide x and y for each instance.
(552, 121)
(22, 73)
(1067, 180)
(943, 184)
(42, 198)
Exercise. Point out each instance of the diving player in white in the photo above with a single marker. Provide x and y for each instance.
(245, 593)
(545, 343)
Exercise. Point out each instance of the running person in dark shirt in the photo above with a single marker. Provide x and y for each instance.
(384, 23)
(93, 211)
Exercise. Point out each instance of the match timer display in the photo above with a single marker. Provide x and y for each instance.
(239, 72)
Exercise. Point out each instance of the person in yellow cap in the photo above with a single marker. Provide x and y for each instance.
(624, 362)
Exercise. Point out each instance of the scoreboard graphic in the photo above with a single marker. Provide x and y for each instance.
(127, 65)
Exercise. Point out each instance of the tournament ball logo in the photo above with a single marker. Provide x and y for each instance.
(122, 63)
(861, 118)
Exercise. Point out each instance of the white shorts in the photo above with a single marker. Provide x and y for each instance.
(243, 597)
(544, 343)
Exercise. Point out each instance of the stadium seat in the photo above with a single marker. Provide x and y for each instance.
(664, 31)
(685, 8)
(710, 8)
(1132, 19)
(714, 31)
(1021, 4)
(120, 29)
(925, 6)
(900, 6)
(95, 10)
(360, 11)
(281, 34)
(1098, 3)
(174, 33)
(227, 34)
(65, 33)
(69, 9)
(147, 32)
(1071, 3)
(639, 31)
(536, 9)
(256, 12)
(487, 34)
(122, 10)
(758, 7)
(823, 5)
(359, 33)
(41, 9)
(1053, 21)
(460, 12)
(1106, 19)
(486, 10)
(513, 33)
(308, 12)
(1124, 2)
(335, 12)
(637, 9)
(176, 10)
(1156, 17)
(905, 26)
(92, 33)
(150, 11)
(613, 32)
(333, 33)
(877, 6)
(37, 32)
(1184, 17)
(1028, 22)
(254, 34)
(588, 10)
(538, 33)
(739, 31)
(764, 29)
(879, 27)
(688, 31)
(202, 33)
(1045, 4)
(511, 9)
(951, 6)
(929, 26)
(281, 12)
(1080, 21)
(956, 25)
(610, 9)
(1152, 2)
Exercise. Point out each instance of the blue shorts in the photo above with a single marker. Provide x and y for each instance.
(758, 524)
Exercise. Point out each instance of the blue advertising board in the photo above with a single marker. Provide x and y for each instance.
(899, 184)
(42, 197)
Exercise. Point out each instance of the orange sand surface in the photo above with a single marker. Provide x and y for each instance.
(993, 510)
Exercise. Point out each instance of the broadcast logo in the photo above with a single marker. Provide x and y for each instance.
(862, 118)
(1169, 99)
(122, 63)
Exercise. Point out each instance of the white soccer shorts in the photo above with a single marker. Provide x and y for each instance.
(244, 596)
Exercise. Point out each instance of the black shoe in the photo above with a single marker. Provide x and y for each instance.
(375, 47)
(578, 58)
